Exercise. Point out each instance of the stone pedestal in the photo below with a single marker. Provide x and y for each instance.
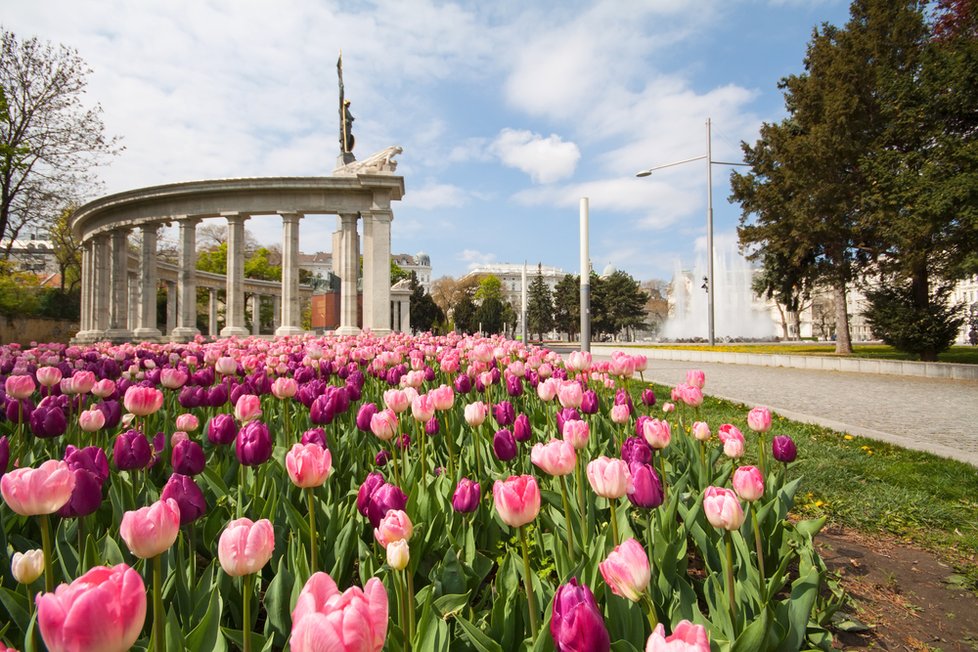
(147, 282)
(234, 302)
(291, 316)
(186, 329)
(377, 272)
(349, 262)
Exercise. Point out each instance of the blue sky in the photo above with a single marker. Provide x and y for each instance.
(508, 112)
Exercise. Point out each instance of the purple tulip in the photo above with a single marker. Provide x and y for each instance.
(322, 411)
(589, 402)
(463, 384)
(371, 483)
(647, 492)
(521, 428)
(640, 425)
(382, 457)
(90, 458)
(394, 376)
(783, 448)
(465, 500)
(113, 413)
(221, 430)
(565, 415)
(48, 422)
(504, 413)
(576, 624)
(131, 451)
(187, 458)
(159, 445)
(303, 375)
(386, 497)
(431, 427)
(4, 454)
(189, 397)
(514, 386)
(622, 397)
(217, 395)
(85, 497)
(404, 441)
(190, 499)
(636, 449)
(504, 445)
(315, 436)
(253, 445)
(648, 397)
(353, 391)
(18, 411)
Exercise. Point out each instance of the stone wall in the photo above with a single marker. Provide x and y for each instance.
(25, 330)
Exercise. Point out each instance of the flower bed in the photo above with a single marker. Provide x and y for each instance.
(390, 493)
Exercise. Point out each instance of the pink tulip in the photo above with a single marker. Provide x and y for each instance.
(308, 465)
(668, 407)
(578, 361)
(555, 458)
(722, 508)
(657, 433)
(475, 413)
(443, 397)
(422, 408)
(686, 637)
(517, 499)
(609, 477)
(150, 531)
(19, 387)
(103, 388)
(576, 433)
(692, 396)
(627, 571)
(82, 382)
(570, 394)
(142, 401)
(352, 621)
(103, 610)
(245, 546)
(248, 408)
(547, 390)
(620, 414)
(759, 419)
(397, 400)
(284, 387)
(701, 431)
(226, 366)
(733, 441)
(91, 420)
(44, 490)
(49, 376)
(395, 525)
(173, 378)
(187, 422)
(696, 378)
(384, 424)
(748, 483)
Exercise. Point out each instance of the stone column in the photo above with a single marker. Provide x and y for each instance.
(276, 312)
(186, 329)
(85, 327)
(255, 314)
(234, 323)
(291, 316)
(133, 286)
(212, 312)
(148, 282)
(119, 280)
(406, 315)
(377, 272)
(171, 306)
(101, 293)
(349, 264)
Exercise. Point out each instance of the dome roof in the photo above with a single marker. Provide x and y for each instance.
(422, 258)
(608, 270)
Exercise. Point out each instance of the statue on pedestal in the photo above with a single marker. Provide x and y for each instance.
(346, 121)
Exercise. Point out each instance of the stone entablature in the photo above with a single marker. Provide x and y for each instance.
(111, 309)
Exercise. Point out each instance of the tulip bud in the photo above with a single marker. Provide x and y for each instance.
(503, 413)
(364, 414)
(783, 449)
(188, 496)
(589, 402)
(314, 436)
(398, 554)
(187, 457)
(222, 430)
(648, 397)
(504, 445)
(253, 445)
(748, 483)
(27, 566)
(576, 623)
(759, 419)
(627, 571)
(722, 508)
(395, 526)
(466, 497)
(131, 451)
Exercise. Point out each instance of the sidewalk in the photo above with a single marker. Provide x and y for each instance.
(939, 416)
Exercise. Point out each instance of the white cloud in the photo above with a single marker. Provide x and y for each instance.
(545, 159)
(475, 258)
(435, 195)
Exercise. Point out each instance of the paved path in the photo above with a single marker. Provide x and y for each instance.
(934, 415)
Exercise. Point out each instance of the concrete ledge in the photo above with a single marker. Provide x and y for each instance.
(947, 370)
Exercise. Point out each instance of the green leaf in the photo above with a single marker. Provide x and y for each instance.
(753, 639)
(447, 605)
(172, 631)
(257, 641)
(207, 634)
(477, 637)
(17, 606)
(277, 599)
(811, 527)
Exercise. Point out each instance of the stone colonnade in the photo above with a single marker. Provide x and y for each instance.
(120, 306)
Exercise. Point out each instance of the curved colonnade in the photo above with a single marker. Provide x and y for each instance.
(108, 312)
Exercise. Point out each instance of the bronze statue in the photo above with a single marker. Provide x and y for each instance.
(346, 119)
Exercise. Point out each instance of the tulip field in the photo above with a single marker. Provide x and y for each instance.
(396, 493)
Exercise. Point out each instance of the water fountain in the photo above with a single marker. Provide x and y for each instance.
(737, 312)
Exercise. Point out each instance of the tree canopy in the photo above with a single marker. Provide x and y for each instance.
(540, 306)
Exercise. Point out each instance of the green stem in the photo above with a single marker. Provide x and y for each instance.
(394, 454)
(614, 521)
(241, 481)
(192, 547)
(247, 581)
(650, 610)
(46, 544)
(476, 444)
(528, 582)
(760, 456)
(662, 470)
(706, 471)
(758, 547)
(728, 539)
(401, 608)
(580, 503)
(421, 441)
(570, 528)
(450, 440)
(410, 602)
(311, 505)
(159, 642)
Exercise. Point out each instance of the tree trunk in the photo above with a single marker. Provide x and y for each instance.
(920, 286)
(784, 323)
(843, 342)
(794, 318)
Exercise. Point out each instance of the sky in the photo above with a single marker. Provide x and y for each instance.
(508, 112)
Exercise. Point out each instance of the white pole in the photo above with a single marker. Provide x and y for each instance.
(585, 280)
(709, 232)
(525, 326)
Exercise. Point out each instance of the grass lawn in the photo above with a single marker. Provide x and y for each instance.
(962, 354)
(872, 486)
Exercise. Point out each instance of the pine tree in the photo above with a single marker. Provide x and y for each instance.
(540, 306)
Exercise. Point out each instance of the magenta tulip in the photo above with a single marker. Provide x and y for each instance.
(576, 624)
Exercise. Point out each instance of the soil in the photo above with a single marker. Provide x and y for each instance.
(901, 597)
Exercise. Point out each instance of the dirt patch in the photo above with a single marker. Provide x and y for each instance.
(907, 598)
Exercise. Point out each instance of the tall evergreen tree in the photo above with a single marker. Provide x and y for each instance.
(540, 306)
(567, 305)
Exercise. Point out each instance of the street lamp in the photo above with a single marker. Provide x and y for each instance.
(709, 215)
